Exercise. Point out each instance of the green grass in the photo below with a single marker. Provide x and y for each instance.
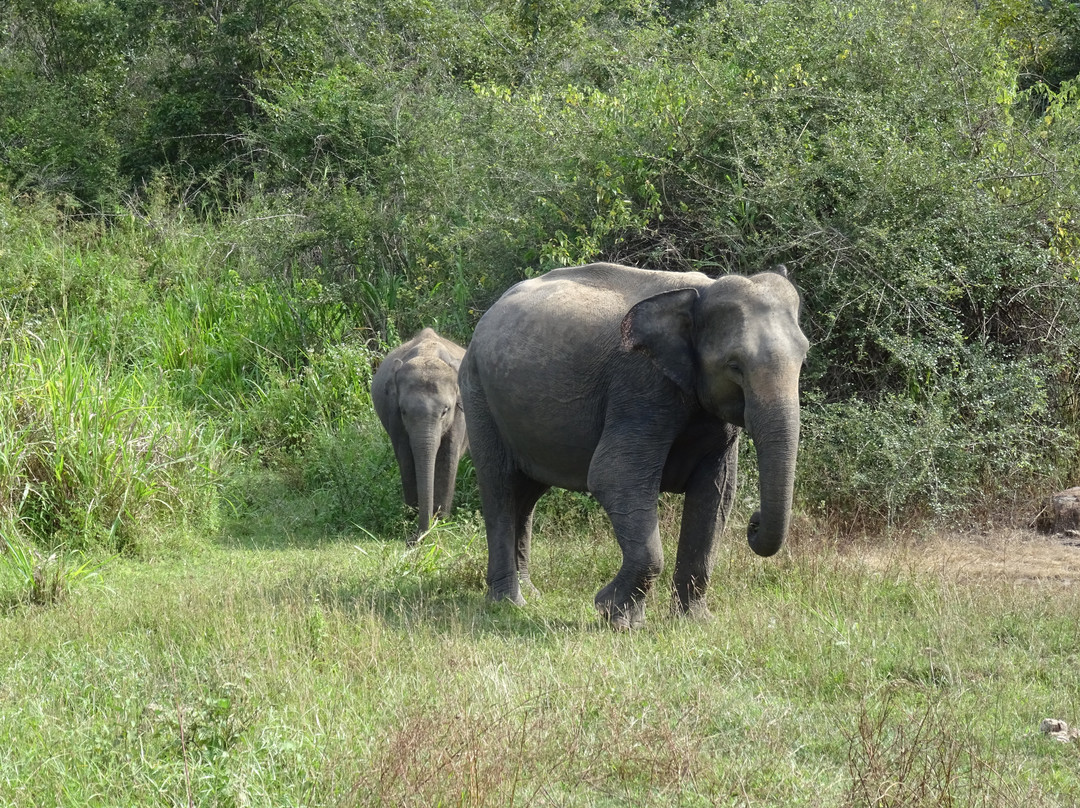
(358, 672)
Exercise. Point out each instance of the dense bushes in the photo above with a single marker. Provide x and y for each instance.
(136, 366)
(258, 197)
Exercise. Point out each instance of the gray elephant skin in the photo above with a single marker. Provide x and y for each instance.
(416, 396)
(624, 383)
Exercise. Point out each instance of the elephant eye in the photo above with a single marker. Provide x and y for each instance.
(735, 368)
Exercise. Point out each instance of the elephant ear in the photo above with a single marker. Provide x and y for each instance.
(448, 359)
(391, 381)
(662, 328)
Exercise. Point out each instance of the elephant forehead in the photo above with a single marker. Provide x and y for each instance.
(428, 349)
(426, 364)
(764, 291)
(761, 297)
(427, 374)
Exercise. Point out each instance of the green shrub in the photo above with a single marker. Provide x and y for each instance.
(981, 437)
(332, 391)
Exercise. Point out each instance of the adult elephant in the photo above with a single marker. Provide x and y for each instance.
(627, 382)
(415, 393)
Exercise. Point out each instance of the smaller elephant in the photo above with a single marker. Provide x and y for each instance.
(416, 396)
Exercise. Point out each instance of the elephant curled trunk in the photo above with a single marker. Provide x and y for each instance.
(776, 439)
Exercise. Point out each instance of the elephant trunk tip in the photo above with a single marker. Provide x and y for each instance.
(764, 545)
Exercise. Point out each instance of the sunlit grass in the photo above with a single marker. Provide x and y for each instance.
(363, 672)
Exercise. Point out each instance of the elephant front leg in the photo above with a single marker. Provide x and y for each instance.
(710, 494)
(633, 514)
(622, 602)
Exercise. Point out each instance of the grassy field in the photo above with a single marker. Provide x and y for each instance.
(282, 667)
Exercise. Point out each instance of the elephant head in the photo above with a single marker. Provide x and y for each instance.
(737, 347)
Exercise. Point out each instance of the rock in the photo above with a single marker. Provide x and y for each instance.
(1061, 514)
(1059, 730)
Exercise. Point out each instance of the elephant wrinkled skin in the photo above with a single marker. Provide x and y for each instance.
(627, 382)
(416, 396)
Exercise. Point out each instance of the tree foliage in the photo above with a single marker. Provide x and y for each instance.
(399, 163)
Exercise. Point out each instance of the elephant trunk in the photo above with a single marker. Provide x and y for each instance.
(425, 448)
(775, 431)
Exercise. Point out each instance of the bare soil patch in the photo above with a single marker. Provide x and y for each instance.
(1001, 555)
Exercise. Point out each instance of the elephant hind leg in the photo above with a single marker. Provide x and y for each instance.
(508, 510)
(506, 494)
(527, 494)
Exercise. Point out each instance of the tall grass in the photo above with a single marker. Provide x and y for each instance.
(94, 455)
(140, 353)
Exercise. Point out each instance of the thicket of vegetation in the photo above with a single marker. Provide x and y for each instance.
(215, 215)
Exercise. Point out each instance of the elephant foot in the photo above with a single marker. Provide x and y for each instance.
(418, 536)
(527, 587)
(688, 598)
(622, 614)
(497, 597)
(694, 609)
(506, 588)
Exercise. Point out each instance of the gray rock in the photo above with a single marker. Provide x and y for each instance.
(1059, 730)
(1061, 513)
